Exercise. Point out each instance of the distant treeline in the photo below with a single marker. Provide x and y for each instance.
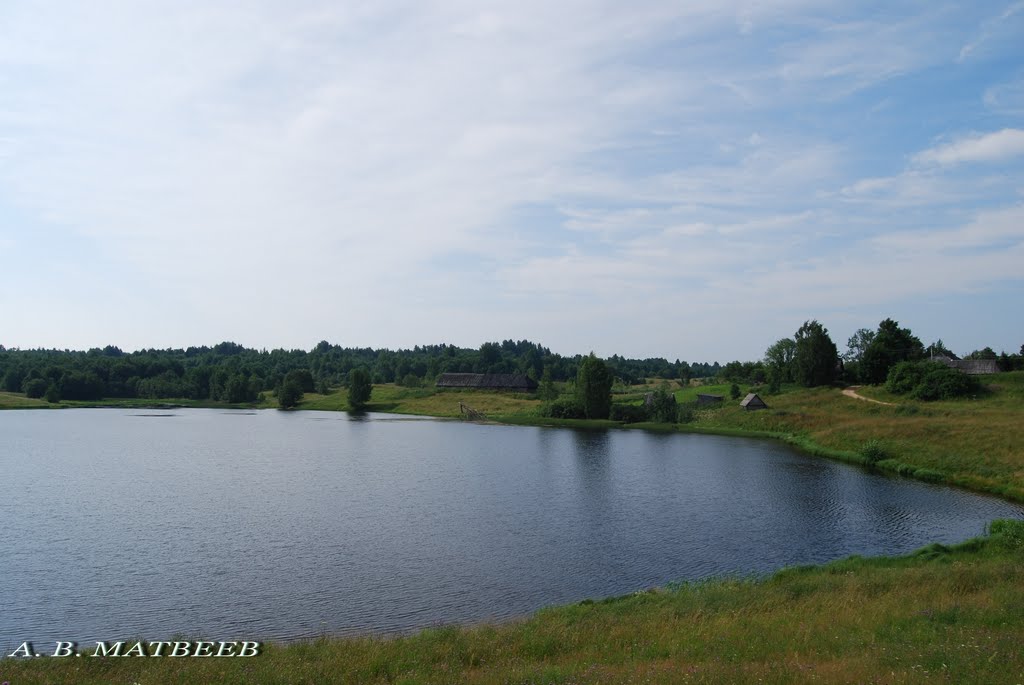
(229, 372)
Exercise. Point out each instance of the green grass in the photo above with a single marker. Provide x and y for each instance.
(14, 400)
(946, 614)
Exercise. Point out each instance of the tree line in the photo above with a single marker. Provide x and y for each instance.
(810, 358)
(229, 372)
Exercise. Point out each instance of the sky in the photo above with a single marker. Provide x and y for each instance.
(687, 179)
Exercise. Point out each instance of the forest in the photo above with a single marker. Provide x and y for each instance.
(229, 372)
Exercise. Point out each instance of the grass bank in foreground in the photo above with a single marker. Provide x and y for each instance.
(949, 614)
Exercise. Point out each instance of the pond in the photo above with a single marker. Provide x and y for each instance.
(282, 525)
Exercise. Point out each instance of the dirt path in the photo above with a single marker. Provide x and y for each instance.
(852, 392)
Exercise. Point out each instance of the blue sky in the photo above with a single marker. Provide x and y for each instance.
(690, 180)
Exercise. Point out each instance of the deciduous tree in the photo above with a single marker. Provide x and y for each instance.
(816, 356)
(359, 388)
(594, 387)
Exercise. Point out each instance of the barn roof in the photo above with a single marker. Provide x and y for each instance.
(972, 367)
(752, 400)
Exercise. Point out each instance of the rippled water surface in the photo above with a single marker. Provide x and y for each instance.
(234, 525)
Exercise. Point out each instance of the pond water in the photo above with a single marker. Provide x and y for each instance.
(147, 524)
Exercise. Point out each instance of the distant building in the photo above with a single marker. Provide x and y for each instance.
(487, 381)
(704, 399)
(752, 401)
(972, 367)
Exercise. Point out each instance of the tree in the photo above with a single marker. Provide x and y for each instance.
(547, 390)
(594, 387)
(35, 388)
(816, 356)
(359, 388)
(289, 394)
(664, 407)
(858, 344)
(779, 359)
(890, 346)
(939, 347)
(987, 353)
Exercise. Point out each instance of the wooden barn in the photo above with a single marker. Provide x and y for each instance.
(752, 401)
(972, 367)
(704, 400)
(514, 382)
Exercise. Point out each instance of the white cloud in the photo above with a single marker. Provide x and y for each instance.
(988, 147)
(285, 172)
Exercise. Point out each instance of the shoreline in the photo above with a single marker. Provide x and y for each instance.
(805, 444)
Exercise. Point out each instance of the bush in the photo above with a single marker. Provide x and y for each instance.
(1008, 533)
(685, 414)
(734, 391)
(904, 377)
(628, 413)
(929, 381)
(289, 394)
(872, 452)
(409, 381)
(564, 408)
(663, 406)
(35, 388)
(944, 383)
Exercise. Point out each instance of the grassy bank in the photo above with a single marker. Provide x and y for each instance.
(941, 614)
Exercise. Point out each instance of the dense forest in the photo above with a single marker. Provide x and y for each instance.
(229, 372)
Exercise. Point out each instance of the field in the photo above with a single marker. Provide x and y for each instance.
(943, 614)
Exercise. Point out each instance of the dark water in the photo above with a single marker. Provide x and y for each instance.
(266, 525)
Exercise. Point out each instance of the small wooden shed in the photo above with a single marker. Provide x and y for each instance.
(704, 399)
(752, 401)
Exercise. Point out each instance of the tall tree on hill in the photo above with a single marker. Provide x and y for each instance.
(359, 388)
(890, 346)
(779, 360)
(594, 385)
(816, 356)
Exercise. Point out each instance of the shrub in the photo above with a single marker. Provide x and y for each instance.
(734, 391)
(564, 408)
(944, 383)
(686, 413)
(872, 452)
(904, 377)
(663, 406)
(628, 413)
(1008, 533)
(35, 388)
(929, 381)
